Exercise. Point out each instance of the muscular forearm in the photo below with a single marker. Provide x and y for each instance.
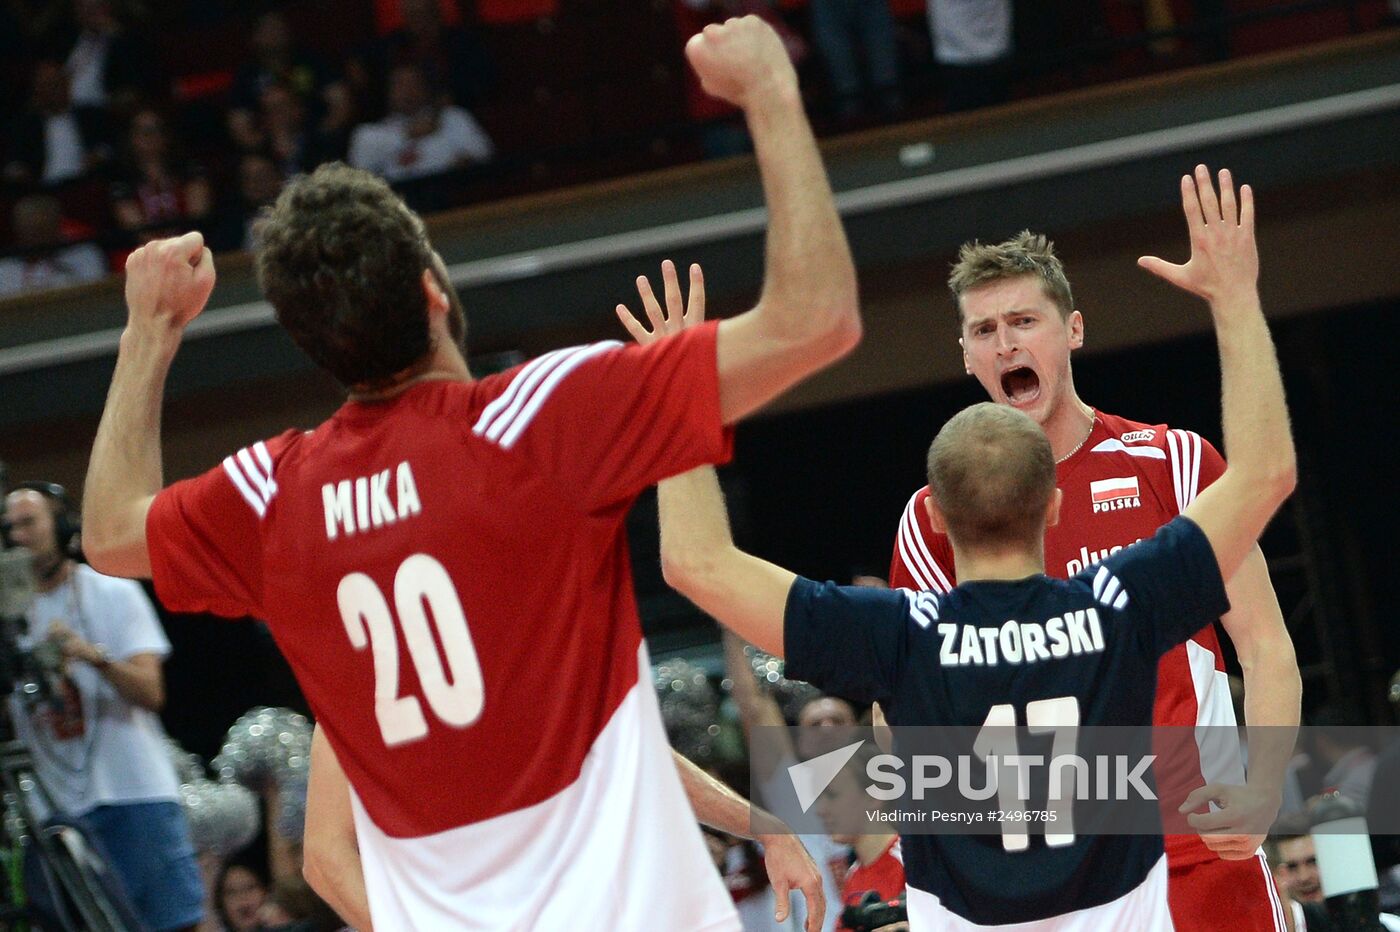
(340, 881)
(695, 532)
(810, 279)
(124, 473)
(1272, 687)
(698, 557)
(1273, 693)
(1254, 414)
(330, 848)
(719, 807)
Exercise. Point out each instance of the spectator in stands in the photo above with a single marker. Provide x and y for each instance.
(1350, 763)
(1383, 810)
(1292, 856)
(259, 181)
(277, 62)
(847, 32)
(843, 806)
(295, 142)
(292, 906)
(453, 57)
(1295, 869)
(43, 258)
(53, 141)
(972, 46)
(107, 66)
(156, 192)
(240, 895)
(722, 132)
(419, 137)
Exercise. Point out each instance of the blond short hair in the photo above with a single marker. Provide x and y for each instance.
(1026, 253)
(992, 474)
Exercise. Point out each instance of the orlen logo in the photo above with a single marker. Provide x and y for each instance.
(1138, 436)
(1113, 494)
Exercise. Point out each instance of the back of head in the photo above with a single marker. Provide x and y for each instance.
(1026, 253)
(991, 474)
(341, 258)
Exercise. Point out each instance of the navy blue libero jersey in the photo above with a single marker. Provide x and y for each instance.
(1092, 641)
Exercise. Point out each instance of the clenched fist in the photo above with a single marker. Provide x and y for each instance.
(168, 281)
(739, 59)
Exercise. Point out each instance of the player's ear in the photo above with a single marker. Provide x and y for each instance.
(967, 364)
(436, 297)
(935, 517)
(1076, 329)
(1052, 510)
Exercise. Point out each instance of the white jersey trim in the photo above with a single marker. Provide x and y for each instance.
(615, 849)
(1216, 738)
(505, 418)
(1280, 925)
(1142, 909)
(1185, 448)
(1114, 445)
(252, 478)
(913, 550)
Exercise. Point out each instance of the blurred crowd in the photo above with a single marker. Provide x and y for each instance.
(127, 119)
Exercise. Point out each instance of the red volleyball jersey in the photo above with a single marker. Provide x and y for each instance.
(1127, 480)
(447, 574)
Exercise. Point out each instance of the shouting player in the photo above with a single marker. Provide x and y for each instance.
(993, 492)
(1121, 480)
(443, 561)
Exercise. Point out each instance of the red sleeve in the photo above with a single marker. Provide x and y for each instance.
(1194, 464)
(608, 420)
(204, 535)
(1212, 463)
(923, 558)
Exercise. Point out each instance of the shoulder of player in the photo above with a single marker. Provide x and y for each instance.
(503, 403)
(1135, 435)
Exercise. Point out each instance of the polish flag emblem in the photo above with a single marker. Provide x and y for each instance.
(1107, 490)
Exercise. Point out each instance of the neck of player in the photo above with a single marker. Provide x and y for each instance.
(444, 361)
(1068, 427)
(998, 564)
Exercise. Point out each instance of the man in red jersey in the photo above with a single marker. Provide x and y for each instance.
(443, 561)
(1121, 480)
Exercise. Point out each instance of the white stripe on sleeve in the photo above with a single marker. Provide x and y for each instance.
(235, 473)
(524, 380)
(255, 475)
(511, 426)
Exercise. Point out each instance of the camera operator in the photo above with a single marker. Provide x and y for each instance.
(89, 716)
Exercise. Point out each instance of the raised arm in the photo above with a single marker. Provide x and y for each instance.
(1224, 270)
(167, 284)
(698, 556)
(807, 315)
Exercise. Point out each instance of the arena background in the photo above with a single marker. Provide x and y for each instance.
(599, 179)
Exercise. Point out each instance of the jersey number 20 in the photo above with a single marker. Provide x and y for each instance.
(368, 621)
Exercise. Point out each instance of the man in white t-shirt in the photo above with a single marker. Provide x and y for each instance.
(98, 747)
(420, 136)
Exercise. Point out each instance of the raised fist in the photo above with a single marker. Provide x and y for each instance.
(169, 280)
(740, 59)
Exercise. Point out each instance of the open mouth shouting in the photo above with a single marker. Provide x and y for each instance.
(1021, 386)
